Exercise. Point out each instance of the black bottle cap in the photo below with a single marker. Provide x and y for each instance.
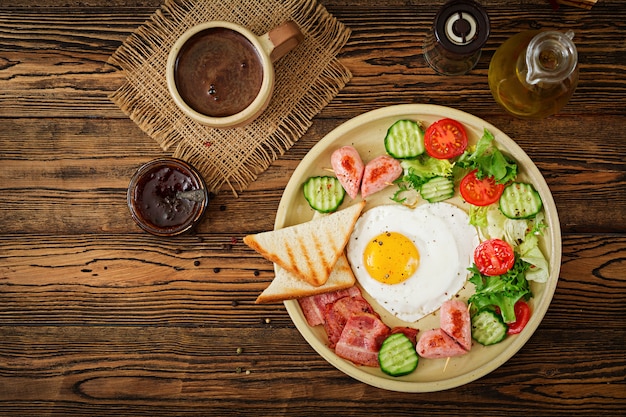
(462, 26)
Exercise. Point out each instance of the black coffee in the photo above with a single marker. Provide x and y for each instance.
(218, 72)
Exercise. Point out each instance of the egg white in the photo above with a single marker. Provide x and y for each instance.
(445, 240)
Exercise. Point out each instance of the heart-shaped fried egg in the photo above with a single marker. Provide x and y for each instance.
(412, 260)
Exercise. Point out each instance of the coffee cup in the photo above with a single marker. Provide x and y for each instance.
(222, 75)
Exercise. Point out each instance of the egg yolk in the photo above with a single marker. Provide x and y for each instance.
(391, 258)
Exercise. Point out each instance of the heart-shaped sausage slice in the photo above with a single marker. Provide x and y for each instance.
(348, 167)
(436, 344)
(455, 321)
(379, 173)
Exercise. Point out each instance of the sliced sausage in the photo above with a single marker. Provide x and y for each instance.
(348, 167)
(379, 173)
(455, 321)
(436, 344)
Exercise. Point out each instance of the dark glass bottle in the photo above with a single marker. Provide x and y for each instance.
(460, 30)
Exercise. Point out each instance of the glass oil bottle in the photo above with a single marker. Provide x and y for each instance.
(534, 73)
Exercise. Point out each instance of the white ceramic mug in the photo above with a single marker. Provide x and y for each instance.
(222, 75)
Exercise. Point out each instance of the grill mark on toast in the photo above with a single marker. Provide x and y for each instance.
(335, 250)
(315, 265)
(319, 280)
(292, 261)
(309, 275)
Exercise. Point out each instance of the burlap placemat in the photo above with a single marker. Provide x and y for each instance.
(307, 79)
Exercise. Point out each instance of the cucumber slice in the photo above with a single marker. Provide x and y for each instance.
(520, 200)
(437, 189)
(324, 194)
(397, 355)
(488, 328)
(405, 139)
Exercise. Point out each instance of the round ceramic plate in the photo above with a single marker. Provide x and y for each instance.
(366, 133)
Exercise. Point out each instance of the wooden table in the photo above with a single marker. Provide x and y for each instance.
(99, 318)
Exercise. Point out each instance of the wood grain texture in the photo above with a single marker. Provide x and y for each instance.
(98, 318)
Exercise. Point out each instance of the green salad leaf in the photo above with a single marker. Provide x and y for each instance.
(531, 253)
(478, 216)
(489, 160)
(420, 170)
(501, 291)
(417, 172)
(521, 234)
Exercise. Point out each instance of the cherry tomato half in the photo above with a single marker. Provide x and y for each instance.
(522, 315)
(445, 139)
(494, 257)
(480, 192)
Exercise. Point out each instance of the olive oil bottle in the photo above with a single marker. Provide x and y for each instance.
(534, 73)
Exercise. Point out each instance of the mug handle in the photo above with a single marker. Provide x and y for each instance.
(283, 39)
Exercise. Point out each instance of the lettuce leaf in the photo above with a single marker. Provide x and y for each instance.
(531, 253)
(489, 160)
(502, 291)
(420, 170)
(416, 172)
(478, 217)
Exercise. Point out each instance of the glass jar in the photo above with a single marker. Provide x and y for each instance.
(155, 200)
(534, 73)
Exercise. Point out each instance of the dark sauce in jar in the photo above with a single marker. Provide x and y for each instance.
(153, 201)
(156, 194)
(218, 72)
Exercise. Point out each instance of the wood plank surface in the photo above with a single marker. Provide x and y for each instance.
(98, 318)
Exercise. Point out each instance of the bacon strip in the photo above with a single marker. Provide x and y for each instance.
(314, 306)
(361, 339)
(338, 313)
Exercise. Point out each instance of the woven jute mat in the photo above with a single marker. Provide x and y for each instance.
(307, 79)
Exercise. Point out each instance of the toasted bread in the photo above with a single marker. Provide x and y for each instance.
(308, 250)
(287, 286)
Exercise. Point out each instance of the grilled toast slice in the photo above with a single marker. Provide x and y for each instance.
(308, 250)
(287, 286)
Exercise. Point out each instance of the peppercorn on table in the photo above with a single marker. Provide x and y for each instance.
(98, 317)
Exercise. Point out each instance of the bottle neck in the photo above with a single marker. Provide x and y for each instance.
(550, 58)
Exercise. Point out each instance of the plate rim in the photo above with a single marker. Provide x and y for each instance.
(511, 146)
